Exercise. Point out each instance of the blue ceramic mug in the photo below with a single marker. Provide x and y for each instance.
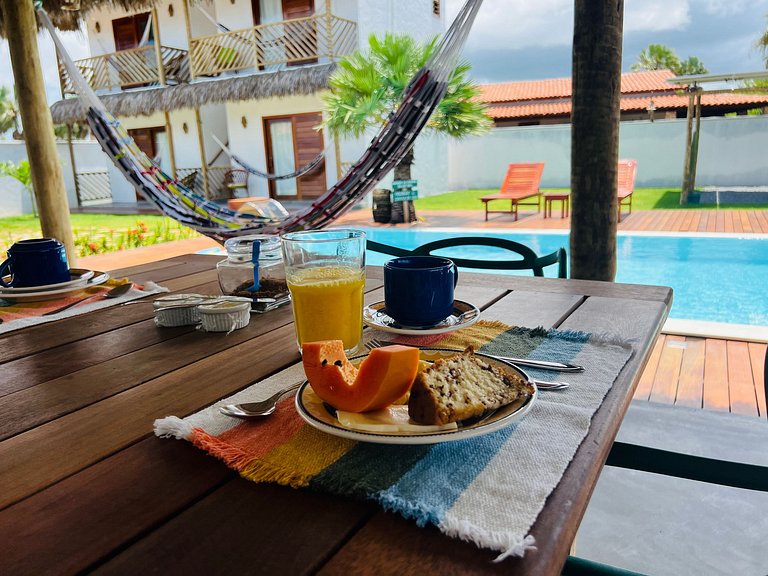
(418, 290)
(35, 262)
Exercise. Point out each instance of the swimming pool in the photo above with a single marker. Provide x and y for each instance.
(715, 278)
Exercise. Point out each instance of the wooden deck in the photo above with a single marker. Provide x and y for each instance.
(724, 375)
(717, 221)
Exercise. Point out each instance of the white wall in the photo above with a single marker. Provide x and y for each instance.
(173, 31)
(732, 152)
(14, 200)
(248, 142)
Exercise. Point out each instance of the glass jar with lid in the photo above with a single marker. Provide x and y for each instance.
(254, 269)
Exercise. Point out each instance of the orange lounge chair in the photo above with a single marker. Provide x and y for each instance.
(520, 183)
(627, 173)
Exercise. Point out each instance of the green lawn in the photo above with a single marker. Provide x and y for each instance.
(99, 233)
(642, 199)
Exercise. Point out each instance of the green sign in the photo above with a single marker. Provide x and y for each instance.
(403, 190)
(403, 195)
(404, 184)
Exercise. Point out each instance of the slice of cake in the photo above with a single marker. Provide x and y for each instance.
(461, 387)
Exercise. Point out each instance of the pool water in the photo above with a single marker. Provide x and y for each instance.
(715, 279)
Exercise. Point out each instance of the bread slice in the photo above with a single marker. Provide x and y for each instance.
(461, 387)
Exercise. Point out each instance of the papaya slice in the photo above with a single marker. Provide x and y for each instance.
(384, 376)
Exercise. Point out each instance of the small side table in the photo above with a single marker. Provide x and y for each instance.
(565, 203)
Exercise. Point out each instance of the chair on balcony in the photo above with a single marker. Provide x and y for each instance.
(234, 181)
(520, 183)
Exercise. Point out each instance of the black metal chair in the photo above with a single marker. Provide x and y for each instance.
(529, 261)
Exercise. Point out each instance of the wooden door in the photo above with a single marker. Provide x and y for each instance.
(146, 140)
(296, 131)
(129, 30)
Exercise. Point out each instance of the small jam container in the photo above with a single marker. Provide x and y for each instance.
(178, 310)
(225, 314)
(251, 257)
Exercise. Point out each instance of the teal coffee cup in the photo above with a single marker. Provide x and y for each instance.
(418, 290)
(35, 262)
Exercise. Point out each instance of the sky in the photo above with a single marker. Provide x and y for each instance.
(531, 39)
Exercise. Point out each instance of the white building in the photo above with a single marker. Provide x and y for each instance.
(175, 77)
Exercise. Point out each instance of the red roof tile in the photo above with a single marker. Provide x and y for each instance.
(552, 97)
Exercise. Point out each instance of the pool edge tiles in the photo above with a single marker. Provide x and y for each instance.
(721, 330)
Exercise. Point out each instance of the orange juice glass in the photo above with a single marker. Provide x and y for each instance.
(325, 270)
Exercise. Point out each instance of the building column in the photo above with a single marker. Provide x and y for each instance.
(203, 160)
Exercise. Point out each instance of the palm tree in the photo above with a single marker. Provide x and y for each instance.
(367, 86)
(597, 36)
(762, 45)
(657, 57)
(22, 174)
(660, 57)
(8, 111)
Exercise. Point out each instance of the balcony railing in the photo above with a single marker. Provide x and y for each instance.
(136, 67)
(290, 41)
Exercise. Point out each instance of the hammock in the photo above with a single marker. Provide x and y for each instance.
(306, 169)
(395, 138)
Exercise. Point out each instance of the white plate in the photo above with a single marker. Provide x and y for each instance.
(463, 315)
(321, 416)
(40, 296)
(79, 277)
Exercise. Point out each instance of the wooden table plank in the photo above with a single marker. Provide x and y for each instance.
(757, 354)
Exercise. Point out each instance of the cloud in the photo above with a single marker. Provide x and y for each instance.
(76, 45)
(656, 15)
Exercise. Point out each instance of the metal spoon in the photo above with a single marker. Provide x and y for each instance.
(116, 292)
(257, 409)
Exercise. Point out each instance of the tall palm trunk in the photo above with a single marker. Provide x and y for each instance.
(597, 36)
(406, 212)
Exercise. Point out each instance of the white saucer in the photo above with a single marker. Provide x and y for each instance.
(463, 315)
(41, 295)
(79, 277)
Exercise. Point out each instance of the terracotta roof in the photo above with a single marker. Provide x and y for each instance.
(631, 82)
(552, 97)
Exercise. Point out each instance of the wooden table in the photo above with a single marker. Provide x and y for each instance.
(565, 203)
(85, 486)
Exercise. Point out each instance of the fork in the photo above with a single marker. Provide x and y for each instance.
(543, 364)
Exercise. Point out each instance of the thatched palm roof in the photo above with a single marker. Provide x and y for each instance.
(68, 20)
(303, 80)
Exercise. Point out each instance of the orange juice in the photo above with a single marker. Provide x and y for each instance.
(328, 304)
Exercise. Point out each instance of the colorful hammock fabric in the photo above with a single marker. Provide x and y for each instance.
(487, 489)
(394, 140)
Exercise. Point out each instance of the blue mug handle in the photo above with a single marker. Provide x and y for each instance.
(3, 267)
(455, 274)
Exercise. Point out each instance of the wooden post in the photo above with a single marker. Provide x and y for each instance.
(201, 145)
(158, 48)
(337, 153)
(188, 25)
(687, 161)
(171, 150)
(44, 161)
(329, 26)
(695, 145)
